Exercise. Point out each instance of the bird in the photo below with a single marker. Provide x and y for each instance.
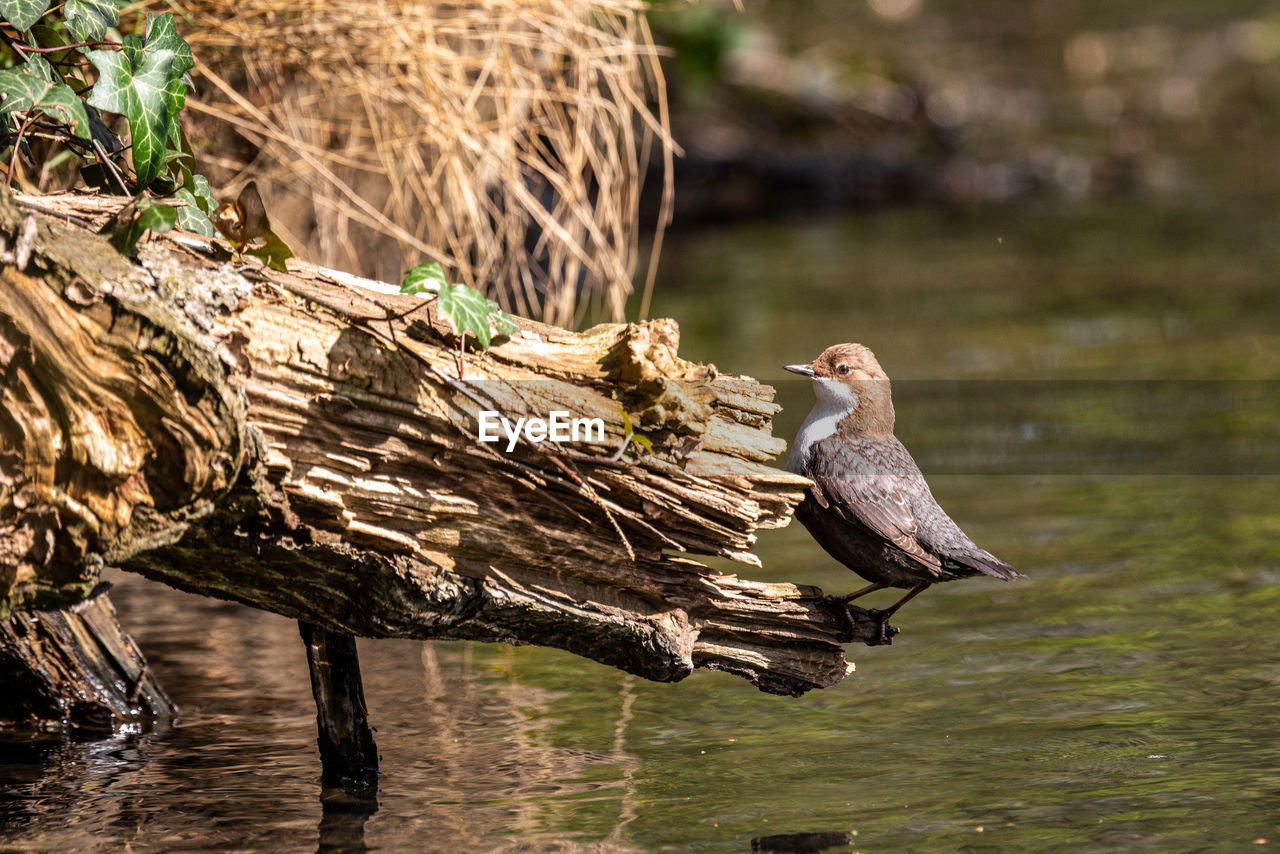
(869, 506)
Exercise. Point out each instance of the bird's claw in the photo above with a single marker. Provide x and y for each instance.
(885, 632)
(850, 626)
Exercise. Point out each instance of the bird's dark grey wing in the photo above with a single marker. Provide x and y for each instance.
(874, 502)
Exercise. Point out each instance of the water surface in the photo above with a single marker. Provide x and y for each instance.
(1122, 698)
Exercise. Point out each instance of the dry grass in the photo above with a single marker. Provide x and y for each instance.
(507, 139)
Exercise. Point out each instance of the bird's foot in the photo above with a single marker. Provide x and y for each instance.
(842, 604)
(885, 632)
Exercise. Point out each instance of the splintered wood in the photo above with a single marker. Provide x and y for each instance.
(304, 445)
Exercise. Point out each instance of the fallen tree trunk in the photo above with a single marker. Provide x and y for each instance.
(308, 445)
(76, 669)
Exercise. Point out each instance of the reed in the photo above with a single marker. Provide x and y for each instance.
(508, 140)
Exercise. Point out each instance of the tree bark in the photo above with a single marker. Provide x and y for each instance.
(307, 444)
(75, 669)
(348, 754)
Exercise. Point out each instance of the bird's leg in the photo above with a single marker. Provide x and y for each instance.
(843, 602)
(886, 631)
(849, 597)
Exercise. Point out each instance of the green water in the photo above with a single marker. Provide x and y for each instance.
(1122, 698)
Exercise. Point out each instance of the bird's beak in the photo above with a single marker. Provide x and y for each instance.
(803, 370)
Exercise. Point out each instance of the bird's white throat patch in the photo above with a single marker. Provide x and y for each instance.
(835, 401)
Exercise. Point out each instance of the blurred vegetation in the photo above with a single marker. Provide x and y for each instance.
(512, 143)
(992, 103)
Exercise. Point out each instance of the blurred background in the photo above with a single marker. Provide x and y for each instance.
(1056, 225)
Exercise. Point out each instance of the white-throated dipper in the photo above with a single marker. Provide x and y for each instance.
(869, 505)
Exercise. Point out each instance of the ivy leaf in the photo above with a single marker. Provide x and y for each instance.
(157, 218)
(162, 35)
(191, 218)
(462, 305)
(23, 13)
(89, 20)
(31, 86)
(175, 95)
(133, 46)
(143, 82)
(468, 311)
(274, 253)
(43, 35)
(201, 204)
(424, 278)
(135, 219)
(504, 322)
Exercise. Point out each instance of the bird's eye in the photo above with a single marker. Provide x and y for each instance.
(843, 369)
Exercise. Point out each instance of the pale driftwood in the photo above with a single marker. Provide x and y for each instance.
(285, 441)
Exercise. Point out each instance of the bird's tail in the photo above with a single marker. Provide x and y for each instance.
(991, 565)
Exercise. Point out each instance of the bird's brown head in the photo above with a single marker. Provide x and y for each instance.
(848, 377)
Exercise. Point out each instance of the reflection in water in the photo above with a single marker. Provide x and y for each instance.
(342, 821)
(89, 792)
(468, 751)
(801, 843)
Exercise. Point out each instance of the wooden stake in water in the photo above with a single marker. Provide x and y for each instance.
(348, 754)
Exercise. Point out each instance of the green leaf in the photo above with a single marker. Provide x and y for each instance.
(505, 323)
(23, 14)
(31, 86)
(198, 185)
(201, 204)
(172, 155)
(39, 67)
(139, 95)
(468, 311)
(143, 83)
(191, 218)
(175, 99)
(273, 254)
(176, 93)
(43, 35)
(463, 306)
(162, 35)
(89, 20)
(133, 46)
(642, 442)
(135, 219)
(157, 218)
(424, 278)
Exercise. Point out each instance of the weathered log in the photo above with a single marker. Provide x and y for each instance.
(76, 669)
(348, 754)
(307, 444)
